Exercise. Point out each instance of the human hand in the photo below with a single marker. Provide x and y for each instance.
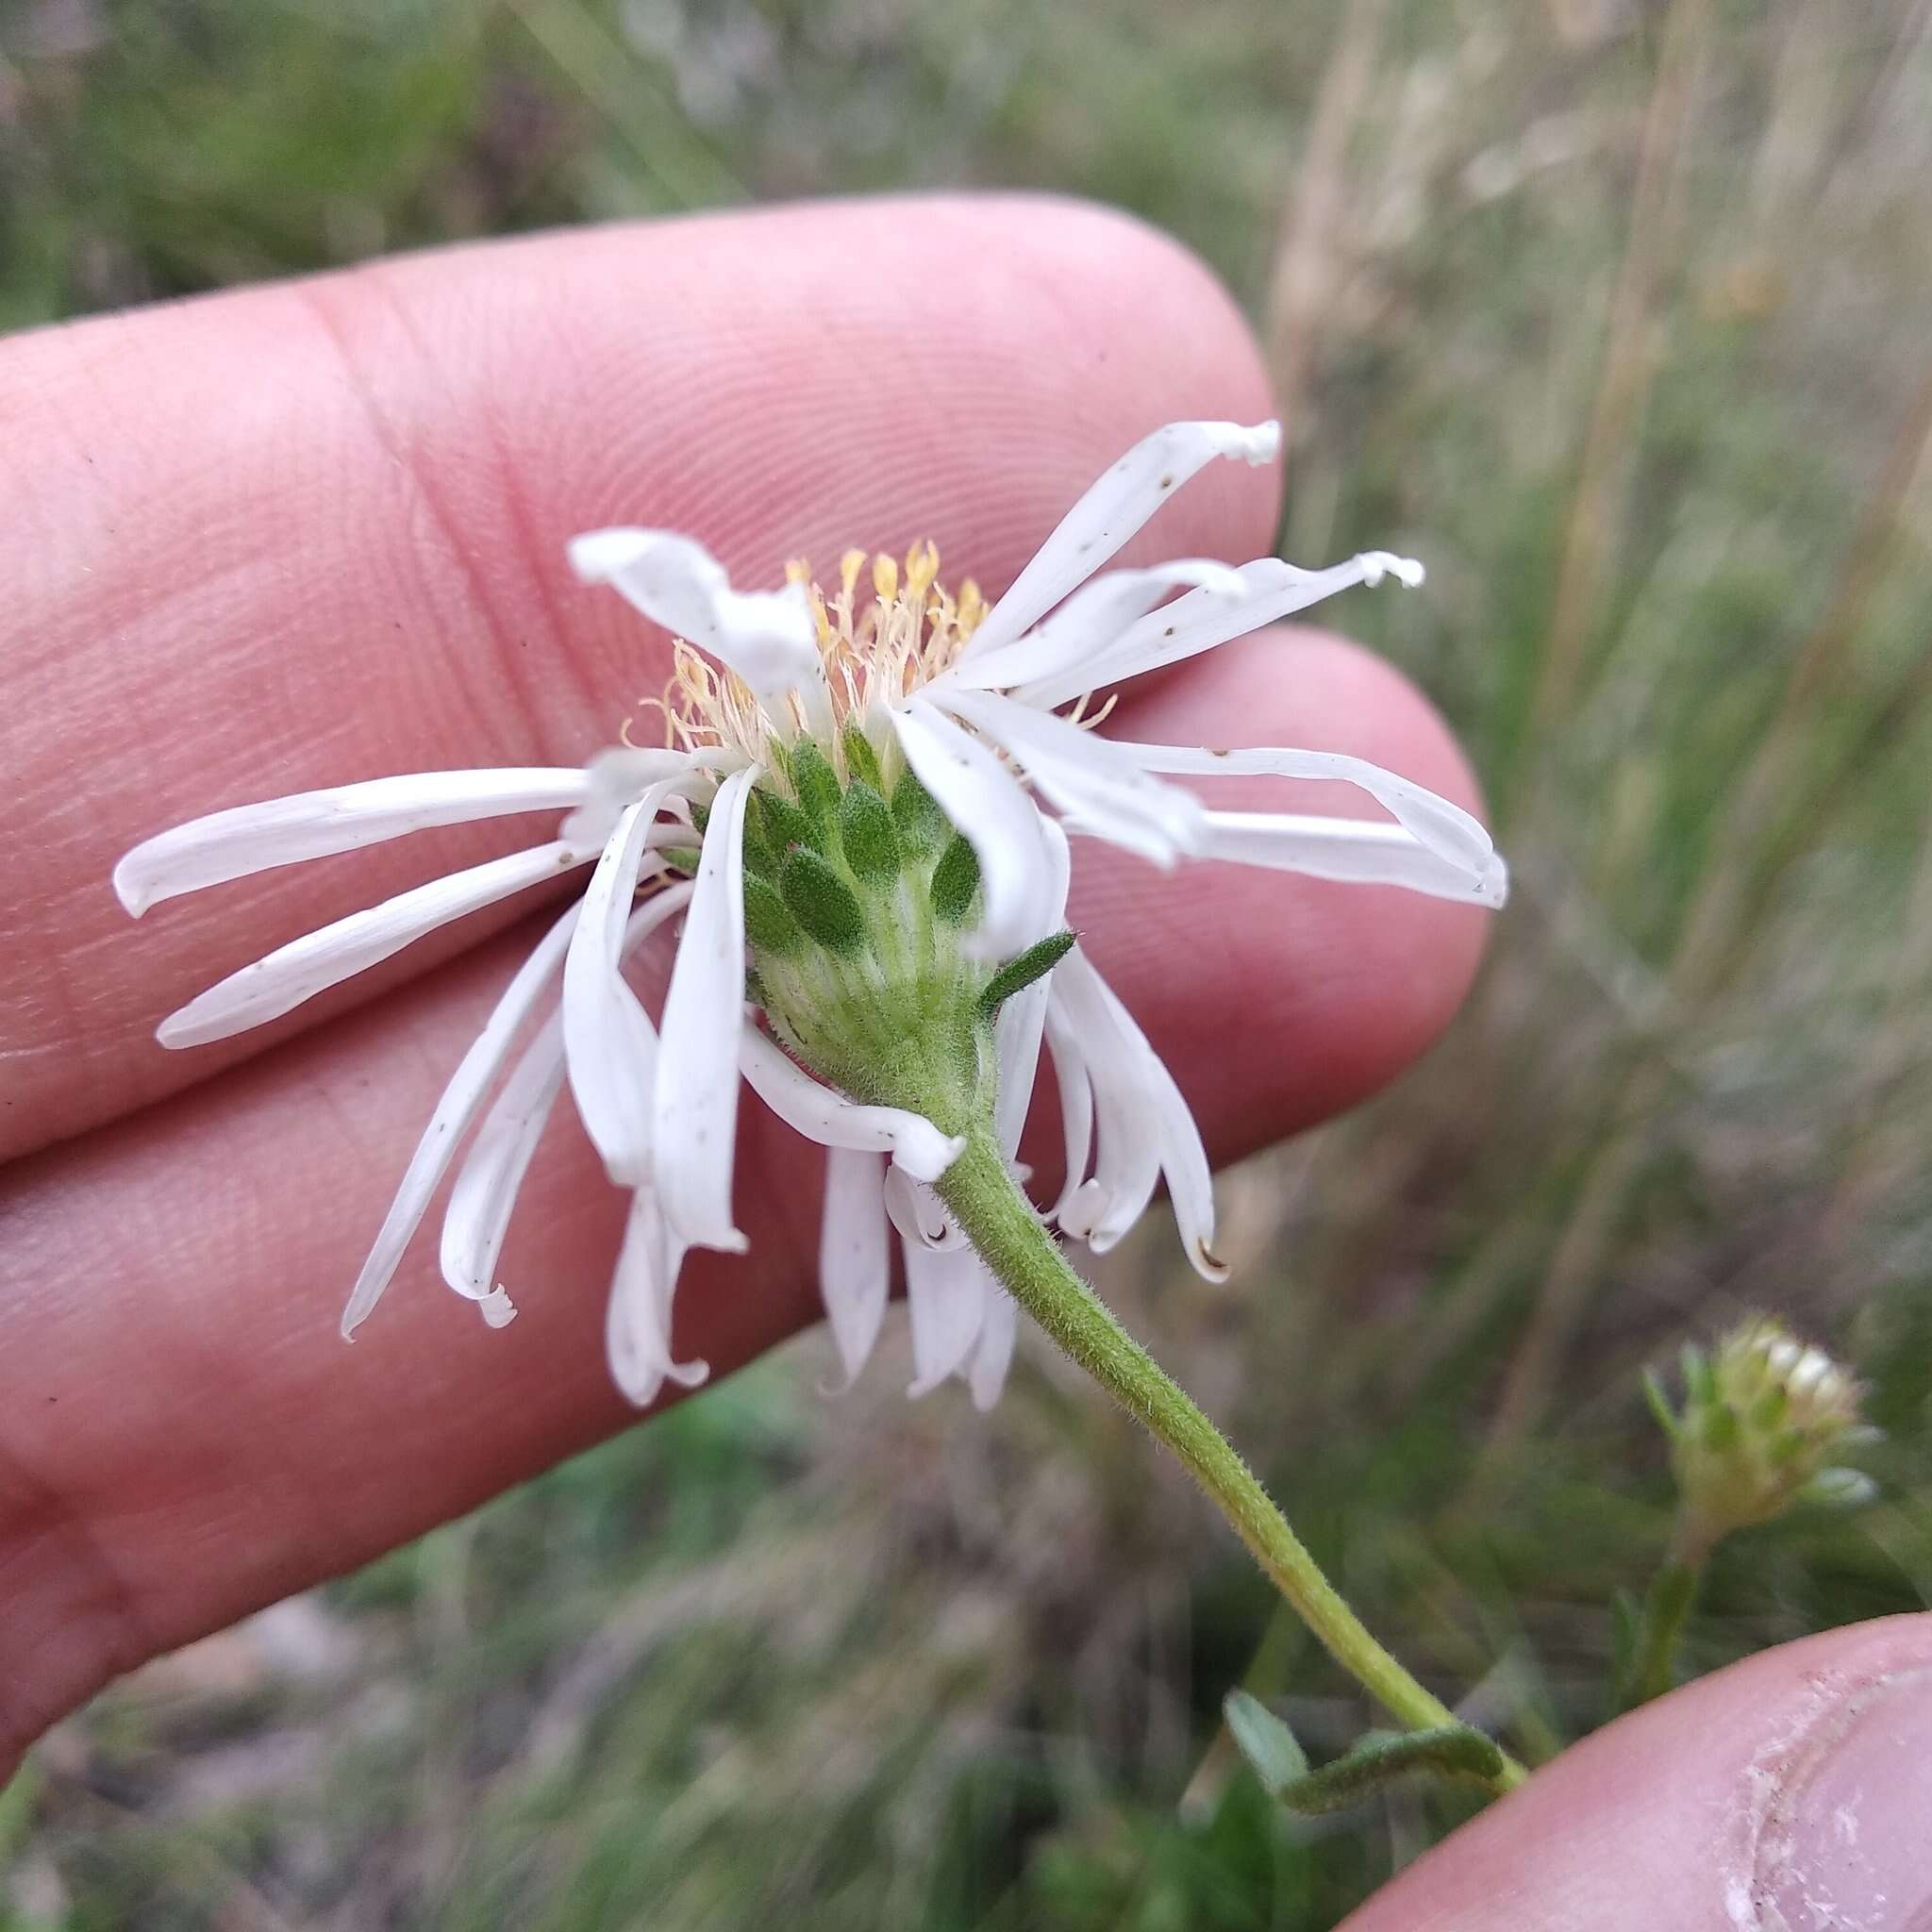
(314, 533)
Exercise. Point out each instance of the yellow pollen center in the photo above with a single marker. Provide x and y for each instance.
(875, 653)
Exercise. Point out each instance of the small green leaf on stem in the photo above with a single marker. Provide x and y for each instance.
(1382, 1757)
(1022, 969)
(1265, 1741)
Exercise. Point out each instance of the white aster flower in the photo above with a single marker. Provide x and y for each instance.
(861, 810)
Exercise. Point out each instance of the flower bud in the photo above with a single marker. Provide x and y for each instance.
(1763, 1417)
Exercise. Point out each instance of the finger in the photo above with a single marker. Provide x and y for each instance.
(1787, 1793)
(187, 1436)
(315, 533)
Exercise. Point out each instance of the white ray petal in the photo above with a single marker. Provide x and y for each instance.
(248, 839)
(487, 1183)
(462, 1102)
(305, 967)
(1086, 776)
(1137, 1095)
(609, 1045)
(637, 1319)
(767, 636)
(694, 1106)
(1076, 1103)
(1111, 511)
(1017, 1035)
(918, 1213)
(1202, 619)
(1085, 1208)
(621, 775)
(993, 1354)
(1442, 827)
(481, 1204)
(1023, 1018)
(1126, 1165)
(1359, 851)
(819, 1114)
(1090, 620)
(984, 801)
(854, 1254)
(946, 1292)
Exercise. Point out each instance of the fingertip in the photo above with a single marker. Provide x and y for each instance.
(1786, 1793)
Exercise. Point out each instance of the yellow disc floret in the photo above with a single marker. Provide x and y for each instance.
(875, 653)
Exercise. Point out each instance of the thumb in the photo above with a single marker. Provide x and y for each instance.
(1788, 1794)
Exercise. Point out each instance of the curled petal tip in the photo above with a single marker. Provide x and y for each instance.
(496, 1307)
(1263, 441)
(1209, 1264)
(175, 1033)
(717, 1238)
(133, 895)
(1376, 564)
(626, 1173)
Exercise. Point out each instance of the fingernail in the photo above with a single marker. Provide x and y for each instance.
(1848, 1845)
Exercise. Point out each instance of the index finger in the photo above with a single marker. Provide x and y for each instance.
(314, 533)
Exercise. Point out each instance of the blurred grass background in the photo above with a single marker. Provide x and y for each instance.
(1619, 313)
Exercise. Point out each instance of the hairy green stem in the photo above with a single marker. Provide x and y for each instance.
(1003, 1227)
(1666, 1605)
